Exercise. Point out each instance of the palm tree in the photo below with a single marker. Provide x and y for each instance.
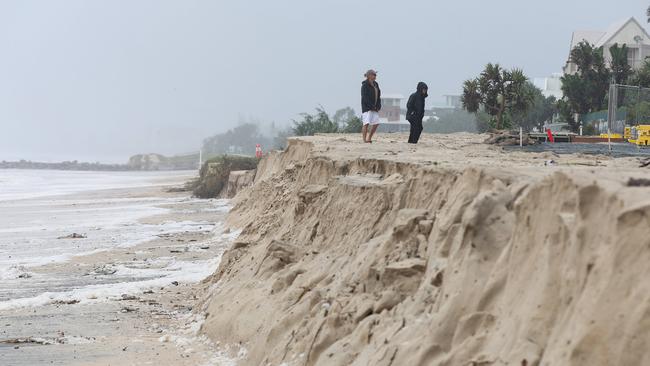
(520, 96)
(497, 91)
(621, 70)
(471, 97)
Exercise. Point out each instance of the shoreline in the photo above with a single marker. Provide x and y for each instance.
(57, 187)
(129, 304)
(457, 242)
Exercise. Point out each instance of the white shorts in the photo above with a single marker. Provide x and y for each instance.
(370, 117)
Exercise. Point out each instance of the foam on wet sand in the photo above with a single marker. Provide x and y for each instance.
(110, 296)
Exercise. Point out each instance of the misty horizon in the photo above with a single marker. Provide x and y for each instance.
(101, 81)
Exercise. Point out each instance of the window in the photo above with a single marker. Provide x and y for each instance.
(391, 102)
(632, 56)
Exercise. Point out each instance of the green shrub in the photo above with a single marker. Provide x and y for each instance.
(214, 173)
(589, 130)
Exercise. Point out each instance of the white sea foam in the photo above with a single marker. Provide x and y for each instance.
(129, 235)
(187, 336)
(22, 184)
(30, 230)
(13, 272)
(180, 271)
(219, 205)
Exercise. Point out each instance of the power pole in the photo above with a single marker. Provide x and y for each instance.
(611, 110)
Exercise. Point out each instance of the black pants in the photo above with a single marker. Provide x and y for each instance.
(416, 131)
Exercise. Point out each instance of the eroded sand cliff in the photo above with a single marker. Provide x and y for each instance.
(447, 253)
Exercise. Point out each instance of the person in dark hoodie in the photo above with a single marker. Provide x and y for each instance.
(415, 111)
(370, 105)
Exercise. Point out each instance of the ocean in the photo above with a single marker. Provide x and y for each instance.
(39, 209)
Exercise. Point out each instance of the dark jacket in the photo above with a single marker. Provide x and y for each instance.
(415, 104)
(368, 97)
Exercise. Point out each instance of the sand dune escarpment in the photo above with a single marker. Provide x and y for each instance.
(373, 259)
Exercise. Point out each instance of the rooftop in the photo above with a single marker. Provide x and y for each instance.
(599, 38)
(392, 96)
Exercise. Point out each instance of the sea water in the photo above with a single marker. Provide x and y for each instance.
(39, 207)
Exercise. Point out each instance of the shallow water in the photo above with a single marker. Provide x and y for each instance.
(32, 231)
(37, 207)
(26, 183)
(122, 294)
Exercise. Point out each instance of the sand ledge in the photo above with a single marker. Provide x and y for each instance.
(448, 253)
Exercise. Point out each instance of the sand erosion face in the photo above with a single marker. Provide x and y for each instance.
(386, 255)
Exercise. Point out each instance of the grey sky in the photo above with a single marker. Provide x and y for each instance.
(102, 80)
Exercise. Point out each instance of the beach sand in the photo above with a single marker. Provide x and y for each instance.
(449, 252)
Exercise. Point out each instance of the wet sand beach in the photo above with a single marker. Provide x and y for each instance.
(122, 294)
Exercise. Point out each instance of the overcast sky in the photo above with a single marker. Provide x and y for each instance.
(102, 80)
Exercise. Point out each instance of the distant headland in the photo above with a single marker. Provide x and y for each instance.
(140, 162)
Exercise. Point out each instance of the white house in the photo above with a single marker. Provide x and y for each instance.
(629, 32)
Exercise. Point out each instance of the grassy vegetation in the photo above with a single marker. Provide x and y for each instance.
(214, 173)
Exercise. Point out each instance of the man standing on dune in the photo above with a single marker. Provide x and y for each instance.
(415, 111)
(370, 105)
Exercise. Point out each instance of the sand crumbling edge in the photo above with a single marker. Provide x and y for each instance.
(376, 262)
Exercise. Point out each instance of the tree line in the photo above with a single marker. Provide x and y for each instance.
(586, 91)
(507, 99)
(242, 140)
(504, 99)
(497, 98)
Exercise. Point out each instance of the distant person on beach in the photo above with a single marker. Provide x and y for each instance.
(415, 111)
(370, 105)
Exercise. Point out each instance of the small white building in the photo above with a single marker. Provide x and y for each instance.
(391, 117)
(629, 32)
(391, 106)
(550, 86)
(453, 101)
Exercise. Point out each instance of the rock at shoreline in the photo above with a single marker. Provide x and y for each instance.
(73, 236)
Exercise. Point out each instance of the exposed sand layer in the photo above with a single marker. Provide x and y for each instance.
(450, 252)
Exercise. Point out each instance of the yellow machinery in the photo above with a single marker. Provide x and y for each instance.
(628, 133)
(639, 135)
(611, 135)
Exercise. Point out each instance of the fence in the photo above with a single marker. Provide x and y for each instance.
(627, 106)
(599, 121)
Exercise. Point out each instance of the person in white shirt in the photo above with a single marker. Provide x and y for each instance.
(370, 105)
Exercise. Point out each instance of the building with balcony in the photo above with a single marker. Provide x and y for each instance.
(629, 32)
(391, 107)
(392, 116)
